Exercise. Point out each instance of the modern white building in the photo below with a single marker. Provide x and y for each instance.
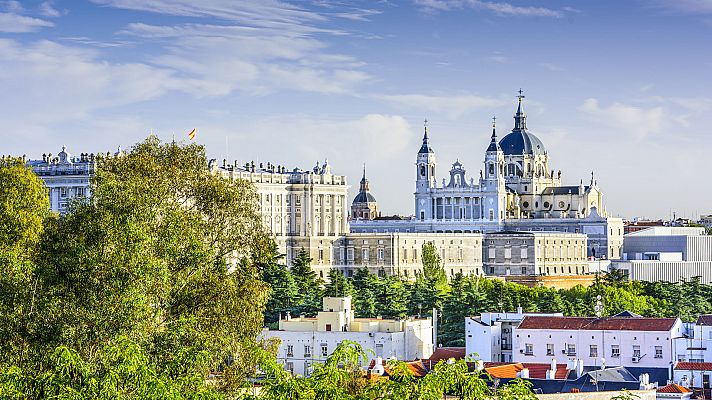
(65, 176)
(630, 341)
(665, 253)
(488, 337)
(305, 341)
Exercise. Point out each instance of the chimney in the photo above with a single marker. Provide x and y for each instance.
(524, 373)
(519, 309)
(551, 373)
(571, 364)
(479, 365)
(579, 368)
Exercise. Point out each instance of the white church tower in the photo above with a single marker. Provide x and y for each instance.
(425, 178)
(493, 183)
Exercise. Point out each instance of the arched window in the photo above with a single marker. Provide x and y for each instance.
(422, 170)
(491, 168)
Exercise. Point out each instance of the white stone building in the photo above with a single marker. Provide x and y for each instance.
(305, 341)
(516, 191)
(630, 341)
(300, 209)
(665, 253)
(489, 336)
(65, 176)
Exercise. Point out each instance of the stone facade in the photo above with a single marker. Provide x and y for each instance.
(300, 209)
(66, 177)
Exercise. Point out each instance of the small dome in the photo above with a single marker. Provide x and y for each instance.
(364, 197)
(521, 142)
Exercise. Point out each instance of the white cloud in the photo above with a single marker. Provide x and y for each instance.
(453, 106)
(14, 23)
(498, 8)
(386, 143)
(216, 60)
(263, 13)
(685, 6)
(626, 119)
(46, 82)
(47, 10)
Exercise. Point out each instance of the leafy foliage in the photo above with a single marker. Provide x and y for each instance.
(341, 377)
(163, 262)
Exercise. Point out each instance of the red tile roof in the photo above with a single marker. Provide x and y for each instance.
(674, 388)
(446, 353)
(536, 370)
(694, 366)
(416, 367)
(594, 324)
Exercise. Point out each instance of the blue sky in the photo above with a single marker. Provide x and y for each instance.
(618, 87)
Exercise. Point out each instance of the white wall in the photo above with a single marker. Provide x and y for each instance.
(603, 340)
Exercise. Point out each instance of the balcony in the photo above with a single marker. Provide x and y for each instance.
(506, 346)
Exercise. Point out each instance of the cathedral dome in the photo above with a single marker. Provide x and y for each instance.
(521, 142)
(364, 197)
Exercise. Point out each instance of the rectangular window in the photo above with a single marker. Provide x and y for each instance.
(381, 254)
(379, 349)
(324, 350)
(528, 349)
(658, 351)
(549, 349)
(290, 350)
(636, 351)
(571, 349)
(62, 192)
(364, 255)
(593, 351)
(491, 253)
(307, 351)
(615, 351)
(350, 254)
(328, 327)
(508, 253)
(524, 253)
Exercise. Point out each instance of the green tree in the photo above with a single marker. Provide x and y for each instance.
(23, 210)
(392, 298)
(338, 285)
(433, 270)
(309, 285)
(163, 256)
(365, 299)
(283, 289)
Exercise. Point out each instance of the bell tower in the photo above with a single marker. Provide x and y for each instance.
(493, 182)
(425, 177)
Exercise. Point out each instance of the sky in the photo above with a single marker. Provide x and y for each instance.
(619, 87)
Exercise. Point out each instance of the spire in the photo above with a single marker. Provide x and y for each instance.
(425, 148)
(520, 119)
(494, 145)
(364, 182)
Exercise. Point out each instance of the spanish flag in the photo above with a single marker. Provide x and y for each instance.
(191, 134)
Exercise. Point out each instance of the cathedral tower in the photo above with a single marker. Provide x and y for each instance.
(425, 178)
(493, 180)
(364, 205)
